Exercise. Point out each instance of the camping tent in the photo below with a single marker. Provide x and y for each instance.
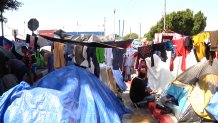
(6, 42)
(64, 95)
(7, 53)
(198, 84)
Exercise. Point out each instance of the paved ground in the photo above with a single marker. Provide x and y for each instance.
(140, 115)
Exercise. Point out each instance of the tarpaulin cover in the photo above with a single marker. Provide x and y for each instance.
(183, 111)
(70, 95)
(85, 43)
(9, 97)
(212, 107)
(4, 41)
(119, 80)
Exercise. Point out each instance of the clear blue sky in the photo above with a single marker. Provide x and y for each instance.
(89, 14)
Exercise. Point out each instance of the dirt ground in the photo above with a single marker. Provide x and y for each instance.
(140, 115)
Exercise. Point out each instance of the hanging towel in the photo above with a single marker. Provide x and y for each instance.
(59, 60)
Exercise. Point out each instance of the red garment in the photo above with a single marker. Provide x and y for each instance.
(180, 51)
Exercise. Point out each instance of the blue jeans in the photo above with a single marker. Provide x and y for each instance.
(149, 98)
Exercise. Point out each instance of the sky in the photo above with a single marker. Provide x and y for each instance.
(92, 15)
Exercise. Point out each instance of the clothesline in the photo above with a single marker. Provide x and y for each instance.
(181, 47)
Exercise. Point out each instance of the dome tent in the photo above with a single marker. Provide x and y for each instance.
(70, 94)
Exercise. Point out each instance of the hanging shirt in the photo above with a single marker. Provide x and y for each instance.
(157, 38)
(160, 47)
(129, 61)
(91, 57)
(68, 49)
(100, 55)
(188, 43)
(159, 75)
(180, 51)
(85, 62)
(79, 54)
(108, 56)
(144, 52)
(59, 60)
(214, 40)
(169, 47)
(118, 58)
(199, 44)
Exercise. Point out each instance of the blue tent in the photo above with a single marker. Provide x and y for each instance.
(70, 94)
(7, 43)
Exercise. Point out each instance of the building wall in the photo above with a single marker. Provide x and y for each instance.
(49, 33)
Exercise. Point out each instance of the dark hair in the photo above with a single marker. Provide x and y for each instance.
(24, 47)
(141, 74)
(142, 61)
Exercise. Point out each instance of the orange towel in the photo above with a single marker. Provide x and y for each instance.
(59, 60)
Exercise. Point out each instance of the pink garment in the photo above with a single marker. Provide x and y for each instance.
(177, 36)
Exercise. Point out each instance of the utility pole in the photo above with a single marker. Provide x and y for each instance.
(164, 15)
(123, 28)
(77, 28)
(119, 27)
(24, 31)
(130, 31)
(140, 30)
(104, 26)
(114, 24)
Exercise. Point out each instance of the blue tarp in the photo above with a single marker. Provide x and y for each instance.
(7, 43)
(212, 107)
(181, 96)
(70, 95)
(9, 97)
(119, 80)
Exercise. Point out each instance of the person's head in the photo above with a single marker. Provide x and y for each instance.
(142, 73)
(24, 49)
(143, 63)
